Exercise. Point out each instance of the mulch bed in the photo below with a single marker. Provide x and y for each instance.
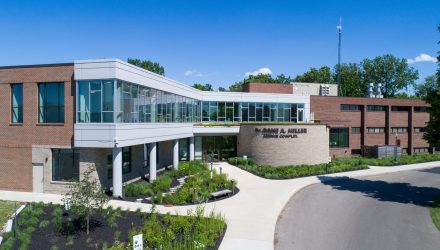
(100, 231)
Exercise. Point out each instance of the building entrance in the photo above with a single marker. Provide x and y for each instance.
(218, 148)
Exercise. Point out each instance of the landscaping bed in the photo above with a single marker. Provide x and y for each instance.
(47, 226)
(434, 211)
(6, 211)
(190, 184)
(391, 161)
(337, 165)
(290, 172)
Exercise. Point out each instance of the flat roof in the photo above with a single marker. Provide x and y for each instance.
(37, 65)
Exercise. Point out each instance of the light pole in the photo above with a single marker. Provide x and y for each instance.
(395, 149)
(339, 28)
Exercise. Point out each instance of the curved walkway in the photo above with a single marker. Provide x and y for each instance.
(251, 214)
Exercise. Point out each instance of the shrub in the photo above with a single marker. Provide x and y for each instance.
(191, 167)
(44, 224)
(289, 172)
(137, 189)
(161, 184)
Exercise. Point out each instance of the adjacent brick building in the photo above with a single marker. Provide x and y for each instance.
(18, 139)
(357, 122)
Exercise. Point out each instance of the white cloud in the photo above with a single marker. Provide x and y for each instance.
(422, 58)
(264, 71)
(193, 72)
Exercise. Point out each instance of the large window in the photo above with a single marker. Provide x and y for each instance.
(338, 137)
(51, 102)
(399, 130)
(356, 130)
(375, 130)
(100, 101)
(419, 109)
(350, 107)
(376, 108)
(17, 103)
(65, 165)
(126, 160)
(419, 130)
(400, 108)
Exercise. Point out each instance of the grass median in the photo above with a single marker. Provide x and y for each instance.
(6, 211)
(435, 212)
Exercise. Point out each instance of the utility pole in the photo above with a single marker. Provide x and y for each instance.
(339, 28)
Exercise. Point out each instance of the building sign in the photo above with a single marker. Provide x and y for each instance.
(138, 243)
(283, 133)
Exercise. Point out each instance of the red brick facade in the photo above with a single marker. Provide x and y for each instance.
(327, 110)
(16, 140)
(274, 88)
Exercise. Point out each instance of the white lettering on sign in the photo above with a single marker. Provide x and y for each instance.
(138, 243)
(280, 133)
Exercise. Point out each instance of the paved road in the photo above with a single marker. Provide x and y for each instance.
(388, 211)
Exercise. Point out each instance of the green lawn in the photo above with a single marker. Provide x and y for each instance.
(6, 210)
(435, 212)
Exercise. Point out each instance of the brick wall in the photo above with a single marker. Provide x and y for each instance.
(327, 110)
(277, 88)
(16, 141)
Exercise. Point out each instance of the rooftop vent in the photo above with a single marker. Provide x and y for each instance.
(375, 91)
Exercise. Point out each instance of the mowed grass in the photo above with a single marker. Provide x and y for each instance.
(6, 210)
(435, 212)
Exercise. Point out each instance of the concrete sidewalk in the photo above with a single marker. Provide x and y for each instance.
(251, 214)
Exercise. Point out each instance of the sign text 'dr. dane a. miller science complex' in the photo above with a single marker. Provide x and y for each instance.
(275, 133)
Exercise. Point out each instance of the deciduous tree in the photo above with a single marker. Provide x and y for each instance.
(394, 73)
(86, 196)
(321, 75)
(204, 87)
(432, 134)
(148, 65)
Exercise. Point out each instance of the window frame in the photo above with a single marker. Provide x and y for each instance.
(339, 133)
(59, 107)
(18, 107)
(350, 107)
(56, 152)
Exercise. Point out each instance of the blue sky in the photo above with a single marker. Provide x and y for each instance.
(217, 42)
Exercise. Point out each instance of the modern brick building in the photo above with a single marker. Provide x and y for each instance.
(357, 122)
(57, 119)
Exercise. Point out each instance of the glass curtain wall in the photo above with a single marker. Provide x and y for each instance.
(252, 112)
(108, 101)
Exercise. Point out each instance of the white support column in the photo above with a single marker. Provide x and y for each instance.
(175, 154)
(191, 148)
(152, 153)
(117, 172)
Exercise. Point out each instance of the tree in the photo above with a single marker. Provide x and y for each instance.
(204, 87)
(283, 79)
(432, 134)
(236, 87)
(351, 80)
(427, 86)
(321, 75)
(86, 196)
(148, 65)
(260, 78)
(221, 89)
(394, 74)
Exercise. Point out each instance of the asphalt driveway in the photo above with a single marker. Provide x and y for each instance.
(387, 211)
